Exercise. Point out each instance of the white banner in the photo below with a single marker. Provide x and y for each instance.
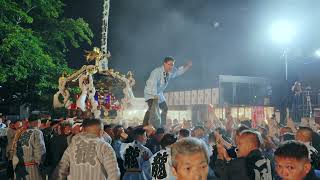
(181, 98)
(215, 96)
(200, 96)
(176, 98)
(171, 98)
(187, 97)
(194, 97)
(207, 96)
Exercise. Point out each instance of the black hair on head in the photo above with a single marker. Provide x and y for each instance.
(91, 122)
(160, 131)
(33, 117)
(167, 140)
(168, 58)
(241, 128)
(139, 131)
(292, 149)
(106, 126)
(184, 132)
(199, 127)
(288, 136)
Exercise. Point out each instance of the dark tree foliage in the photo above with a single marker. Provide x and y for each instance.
(34, 40)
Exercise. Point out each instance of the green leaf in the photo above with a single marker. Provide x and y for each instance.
(34, 40)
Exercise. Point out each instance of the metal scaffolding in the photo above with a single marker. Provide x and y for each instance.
(304, 104)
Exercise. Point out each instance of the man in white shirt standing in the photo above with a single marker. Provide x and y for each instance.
(157, 83)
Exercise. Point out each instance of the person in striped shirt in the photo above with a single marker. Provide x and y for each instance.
(29, 151)
(88, 156)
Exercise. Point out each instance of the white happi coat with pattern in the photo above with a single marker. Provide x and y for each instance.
(88, 157)
(132, 155)
(159, 166)
(31, 150)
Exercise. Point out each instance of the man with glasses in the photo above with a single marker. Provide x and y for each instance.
(156, 84)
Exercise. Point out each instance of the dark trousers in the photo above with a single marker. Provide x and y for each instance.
(10, 171)
(164, 111)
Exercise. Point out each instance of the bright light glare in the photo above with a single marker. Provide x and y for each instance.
(283, 32)
(317, 53)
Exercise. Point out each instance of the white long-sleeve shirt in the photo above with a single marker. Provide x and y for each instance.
(156, 82)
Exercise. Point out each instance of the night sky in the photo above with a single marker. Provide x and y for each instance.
(221, 37)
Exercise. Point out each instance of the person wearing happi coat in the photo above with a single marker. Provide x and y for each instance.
(159, 166)
(134, 155)
(88, 156)
(29, 152)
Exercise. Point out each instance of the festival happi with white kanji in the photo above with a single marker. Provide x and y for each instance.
(159, 90)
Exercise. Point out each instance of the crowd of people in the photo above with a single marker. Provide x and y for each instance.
(65, 148)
